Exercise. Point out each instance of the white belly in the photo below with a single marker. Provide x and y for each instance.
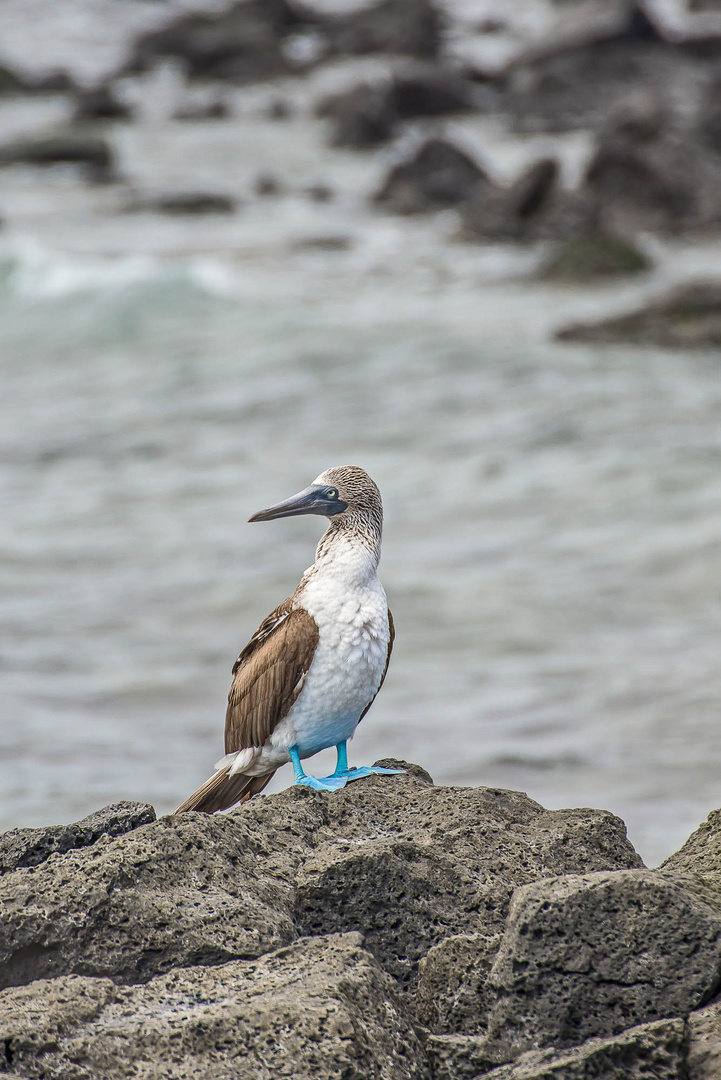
(345, 674)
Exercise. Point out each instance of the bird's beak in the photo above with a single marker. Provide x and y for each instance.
(311, 500)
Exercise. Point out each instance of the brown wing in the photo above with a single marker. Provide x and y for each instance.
(269, 675)
(391, 639)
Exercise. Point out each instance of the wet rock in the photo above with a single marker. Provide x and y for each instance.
(583, 87)
(589, 256)
(100, 103)
(361, 117)
(438, 175)
(319, 1009)
(534, 207)
(210, 109)
(590, 955)
(369, 113)
(428, 90)
(186, 203)
(649, 174)
(30, 847)
(242, 44)
(650, 1050)
(688, 318)
(10, 82)
(402, 27)
(74, 146)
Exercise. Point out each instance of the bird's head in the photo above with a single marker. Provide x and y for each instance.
(340, 492)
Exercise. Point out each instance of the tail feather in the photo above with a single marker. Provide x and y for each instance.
(222, 791)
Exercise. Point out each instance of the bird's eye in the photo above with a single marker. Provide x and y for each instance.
(332, 493)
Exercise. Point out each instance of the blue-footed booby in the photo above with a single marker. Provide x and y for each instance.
(312, 669)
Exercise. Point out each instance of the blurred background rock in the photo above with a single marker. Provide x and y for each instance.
(473, 246)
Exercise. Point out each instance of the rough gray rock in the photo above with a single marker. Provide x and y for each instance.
(590, 955)
(319, 1009)
(453, 993)
(704, 1044)
(309, 934)
(647, 1052)
(437, 175)
(395, 858)
(171, 893)
(689, 317)
(30, 847)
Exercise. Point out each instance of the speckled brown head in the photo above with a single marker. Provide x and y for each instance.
(343, 493)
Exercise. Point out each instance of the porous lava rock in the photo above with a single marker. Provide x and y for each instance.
(393, 930)
(321, 1008)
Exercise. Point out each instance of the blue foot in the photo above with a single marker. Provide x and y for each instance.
(322, 783)
(367, 770)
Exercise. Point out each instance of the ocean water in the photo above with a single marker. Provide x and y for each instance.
(552, 549)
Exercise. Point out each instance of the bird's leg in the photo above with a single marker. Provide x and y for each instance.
(342, 770)
(327, 783)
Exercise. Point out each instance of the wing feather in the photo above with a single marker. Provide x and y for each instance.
(268, 676)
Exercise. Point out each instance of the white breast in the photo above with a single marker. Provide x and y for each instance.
(348, 665)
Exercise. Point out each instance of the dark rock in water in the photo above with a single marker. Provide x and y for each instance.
(403, 27)
(30, 847)
(589, 256)
(100, 104)
(243, 44)
(309, 935)
(650, 174)
(186, 203)
(581, 87)
(535, 207)
(438, 175)
(361, 117)
(266, 184)
(320, 193)
(369, 113)
(74, 146)
(10, 82)
(688, 318)
(318, 1010)
(213, 109)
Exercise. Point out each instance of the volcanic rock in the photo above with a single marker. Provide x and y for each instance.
(401, 27)
(319, 1009)
(688, 318)
(242, 44)
(30, 847)
(649, 173)
(438, 175)
(74, 146)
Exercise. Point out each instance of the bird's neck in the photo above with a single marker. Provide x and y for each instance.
(350, 546)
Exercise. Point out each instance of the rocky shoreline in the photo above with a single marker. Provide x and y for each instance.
(639, 79)
(392, 930)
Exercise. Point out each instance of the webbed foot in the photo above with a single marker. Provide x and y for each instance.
(322, 783)
(366, 770)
